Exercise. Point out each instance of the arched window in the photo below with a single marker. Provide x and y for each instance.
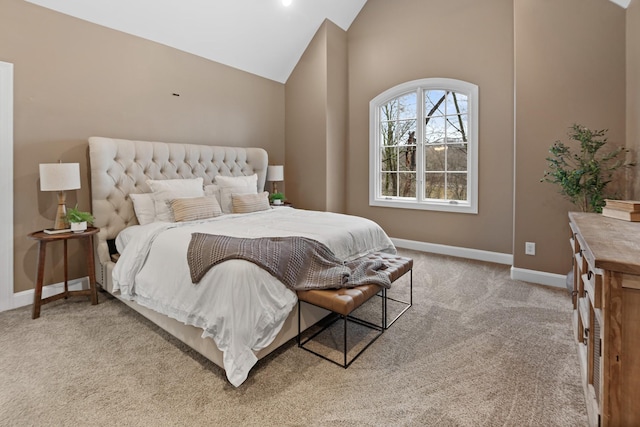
(424, 146)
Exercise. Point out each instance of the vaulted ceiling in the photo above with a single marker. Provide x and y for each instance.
(262, 37)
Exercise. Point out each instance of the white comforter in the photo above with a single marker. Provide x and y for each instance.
(238, 304)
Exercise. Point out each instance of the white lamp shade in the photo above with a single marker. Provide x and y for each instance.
(275, 173)
(59, 176)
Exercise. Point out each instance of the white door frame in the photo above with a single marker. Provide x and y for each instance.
(6, 186)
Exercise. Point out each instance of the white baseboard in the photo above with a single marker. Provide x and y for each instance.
(20, 299)
(539, 277)
(531, 276)
(479, 255)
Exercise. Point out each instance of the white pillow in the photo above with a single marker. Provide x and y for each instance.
(167, 189)
(144, 207)
(212, 190)
(227, 193)
(236, 181)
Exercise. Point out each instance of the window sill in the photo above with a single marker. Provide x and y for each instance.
(426, 206)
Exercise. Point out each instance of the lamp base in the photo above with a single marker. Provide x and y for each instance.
(61, 216)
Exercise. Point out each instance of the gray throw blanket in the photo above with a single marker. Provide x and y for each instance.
(298, 262)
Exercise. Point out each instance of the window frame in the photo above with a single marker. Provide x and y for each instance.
(420, 202)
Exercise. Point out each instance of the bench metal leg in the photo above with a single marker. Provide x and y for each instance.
(407, 304)
(346, 363)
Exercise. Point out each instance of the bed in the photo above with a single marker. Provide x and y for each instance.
(144, 265)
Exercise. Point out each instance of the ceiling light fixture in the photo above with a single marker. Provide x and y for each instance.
(286, 2)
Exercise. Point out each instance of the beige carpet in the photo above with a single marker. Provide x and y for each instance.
(476, 349)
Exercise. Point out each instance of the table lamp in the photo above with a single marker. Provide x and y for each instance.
(60, 177)
(274, 174)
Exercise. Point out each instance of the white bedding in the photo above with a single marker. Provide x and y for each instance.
(238, 304)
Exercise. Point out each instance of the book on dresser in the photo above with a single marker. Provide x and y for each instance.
(623, 205)
(619, 214)
(628, 210)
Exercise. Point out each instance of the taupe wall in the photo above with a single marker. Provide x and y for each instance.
(633, 94)
(569, 68)
(337, 117)
(392, 42)
(316, 123)
(305, 128)
(74, 79)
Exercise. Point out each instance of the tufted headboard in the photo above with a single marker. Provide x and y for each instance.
(120, 167)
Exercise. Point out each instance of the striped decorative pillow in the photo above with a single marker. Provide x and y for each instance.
(192, 208)
(246, 203)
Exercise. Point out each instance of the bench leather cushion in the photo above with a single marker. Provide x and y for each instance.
(342, 301)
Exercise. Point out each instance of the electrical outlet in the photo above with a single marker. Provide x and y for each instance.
(530, 248)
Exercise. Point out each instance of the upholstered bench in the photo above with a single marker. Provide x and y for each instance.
(344, 301)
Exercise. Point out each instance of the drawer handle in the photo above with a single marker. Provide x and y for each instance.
(589, 274)
(585, 340)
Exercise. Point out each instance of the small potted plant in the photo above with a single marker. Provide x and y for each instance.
(78, 219)
(277, 198)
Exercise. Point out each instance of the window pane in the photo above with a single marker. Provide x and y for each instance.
(457, 128)
(408, 185)
(456, 103)
(387, 133)
(457, 157)
(407, 158)
(434, 158)
(389, 187)
(389, 111)
(389, 158)
(457, 186)
(434, 185)
(434, 102)
(434, 130)
(406, 132)
(407, 106)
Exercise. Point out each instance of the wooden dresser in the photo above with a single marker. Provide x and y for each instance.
(606, 316)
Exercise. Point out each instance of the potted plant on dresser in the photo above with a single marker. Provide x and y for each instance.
(78, 219)
(583, 175)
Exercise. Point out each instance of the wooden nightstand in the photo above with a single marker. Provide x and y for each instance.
(44, 238)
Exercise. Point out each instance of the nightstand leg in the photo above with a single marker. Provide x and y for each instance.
(66, 272)
(37, 295)
(92, 271)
